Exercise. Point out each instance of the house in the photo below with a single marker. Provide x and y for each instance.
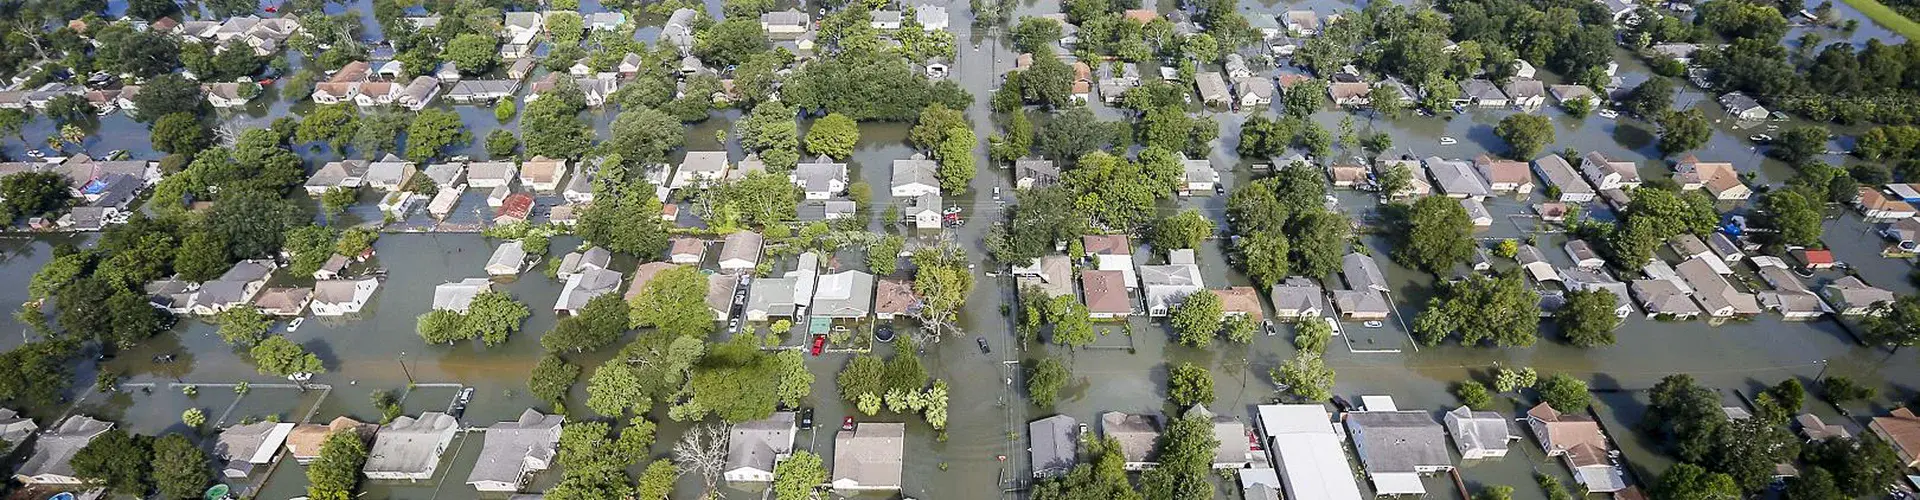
(1136, 434)
(1681, 52)
(1856, 298)
(515, 208)
(1559, 174)
(1033, 172)
(1054, 444)
(895, 297)
(1718, 178)
(577, 262)
(52, 460)
(1584, 255)
(419, 93)
(1241, 301)
(1596, 279)
(1298, 298)
(579, 185)
(700, 168)
(1482, 93)
(174, 296)
(1168, 285)
(1504, 176)
(491, 174)
(931, 17)
(481, 91)
(229, 95)
(606, 21)
(1664, 298)
(1606, 173)
(821, 179)
(337, 174)
(1212, 87)
(1417, 184)
(234, 288)
(844, 295)
(1743, 108)
(1364, 299)
(447, 176)
(521, 28)
(915, 176)
(1106, 294)
(1566, 94)
(372, 94)
(1197, 175)
(924, 211)
(1347, 174)
(787, 22)
(246, 448)
(1810, 258)
(678, 29)
(1350, 94)
(1525, 93)
(1534, 263)
(507, 259)
(1579, 442)
(1479, 434)
(390, 173)
(1232, 451)
(1236, 66)
(1302, 23)
(542, 173)
(409, 448)
(1689, 246)
(1716, 296)
(343, 86)
(1815, 429)
(1397, 447)
(1724, 247)
(753, 448)
(1111, 252)
(740, 251)
(303, 443)
(283, 301)
(885, 20)
(869, 457)
(1477, 213)
(1874, 204)
(1259, 483)
(1455, 178)
(643, 275)
(786, 296)
(458, 296)
(1308, 450)
(1789, 297)
(1253, 91)
(584, 287)
(812, 211)
(14, 429)
(1899, 429)
(686, 250)
(720, 295)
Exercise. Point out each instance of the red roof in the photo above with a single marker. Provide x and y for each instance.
(516, 205)
(1819, 256)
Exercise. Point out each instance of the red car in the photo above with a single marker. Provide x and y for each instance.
(846, 425)
(819, 344)
(1253, 442)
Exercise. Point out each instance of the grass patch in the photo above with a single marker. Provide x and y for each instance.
(1885, 16)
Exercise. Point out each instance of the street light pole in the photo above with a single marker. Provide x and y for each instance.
(403, 368)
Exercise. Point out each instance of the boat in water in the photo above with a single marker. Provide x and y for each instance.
(1448, 141)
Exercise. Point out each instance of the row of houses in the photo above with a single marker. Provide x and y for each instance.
(867, 457)
(1700, 285)
(354, 83)
(245, 284)
(104, 188)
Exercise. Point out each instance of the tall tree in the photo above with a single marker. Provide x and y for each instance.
(1438, 235)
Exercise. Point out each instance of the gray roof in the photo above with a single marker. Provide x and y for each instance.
(1362, 273)
(1478, 430)
(410, 445)
(1054, 440)
(1211, 85)
(1524, 89)
(819, 210)
(1230, 433)
(1398, 441)
(1298, 293)
(337, 291)
(247, 271)
(1660, 296)
(1558, 172)
(445, 174)
(510, 254)
(523, 19)
(1852, 292)
(886, 16)
(789, 17)
(1037, 169)
(1135, 432)
(1455, 177)
(509, 445)
(465, 89)
(458, 296)
(577, 262)
(847, 294)
(1581, 251)
(14, 428)
(53, 451)
(916, 170)
(742, 245)
(773, 295)
(240, 443)
(818, 176)
(871, 455)
(590, 283)
(1481, 89)
(759, 443)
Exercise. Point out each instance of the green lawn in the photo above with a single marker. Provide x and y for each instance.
(1886, 16)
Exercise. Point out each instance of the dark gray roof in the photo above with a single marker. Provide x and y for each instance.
(758, 443)
(1054, 440)
(53, 452)
(1398, 441)
(509, 444)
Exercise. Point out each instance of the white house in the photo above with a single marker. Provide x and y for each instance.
(754, 448)
(342, 297)
(915, 176)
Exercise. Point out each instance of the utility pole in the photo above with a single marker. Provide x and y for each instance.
(403, 368)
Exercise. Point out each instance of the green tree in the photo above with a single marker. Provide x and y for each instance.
(116, 460)
(644, 135)
(1306, 377)
(280, 357)
(1896, 325)
(336, 472)
(552, 377)
(1035, 34)
(1045, 381)
(1186, 460)
(168, 94)
(501, 143)
(1649, 100)
(1685, 481)
(494, 315)
(551, 126)
(243, 326)
(332, 122)
(432, 132)
(1189, 384)
(473, 53)
(955, 155)
(1860, 466)
(179, 467)
(1525, 134)
(1197, 319)
(1473, 394)
(1265, 257)
(834, 135)
(1587, 320)
(1186, 229)
(595, 325)
(443, 326)
(1481, 309)
(1312, 336)
(796, 477)
(1795, 215)
(1438, 235)
(1565, 393)
(1813, 483)
(626, 221)
(1682, 131)
(657, 481)
(1102, 476)
(180, 133)
(674, 302)
(32, 194)
(731, 42)
(1495, 492)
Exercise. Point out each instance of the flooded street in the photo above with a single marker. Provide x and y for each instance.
(983, 452)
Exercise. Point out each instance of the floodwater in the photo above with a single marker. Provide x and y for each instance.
(982, 454)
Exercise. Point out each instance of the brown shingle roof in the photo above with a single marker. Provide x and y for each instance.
(1106, 292)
